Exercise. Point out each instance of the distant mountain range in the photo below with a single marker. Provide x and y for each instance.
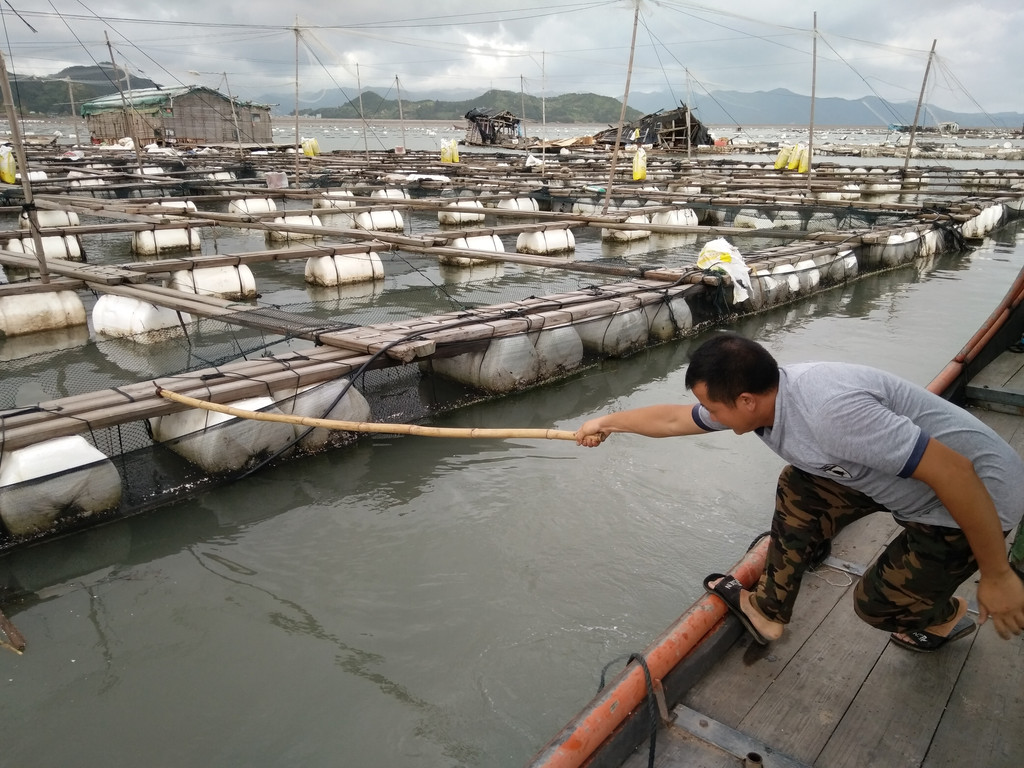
(55, 94)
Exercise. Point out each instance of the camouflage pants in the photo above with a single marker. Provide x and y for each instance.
(910, 585)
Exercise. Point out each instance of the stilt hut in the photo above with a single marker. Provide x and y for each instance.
(187, 115)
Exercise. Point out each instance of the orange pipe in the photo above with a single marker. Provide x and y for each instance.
(583, 735)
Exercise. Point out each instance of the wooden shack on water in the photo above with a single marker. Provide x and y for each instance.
(187, 115)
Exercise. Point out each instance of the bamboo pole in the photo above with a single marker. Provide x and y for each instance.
(17, 640)
(369, 426)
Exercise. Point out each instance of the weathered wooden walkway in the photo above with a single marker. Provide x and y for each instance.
(834, 693)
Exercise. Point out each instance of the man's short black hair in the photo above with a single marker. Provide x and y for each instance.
(729, 365)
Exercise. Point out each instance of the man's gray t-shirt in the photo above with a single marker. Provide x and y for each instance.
(867, 429)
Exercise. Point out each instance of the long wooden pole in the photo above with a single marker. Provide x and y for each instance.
(622, 114)
(917, 112)
(26, 183)
(814, 79)
(369, 426)
(129, 115)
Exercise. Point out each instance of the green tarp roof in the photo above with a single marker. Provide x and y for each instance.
(146, 99)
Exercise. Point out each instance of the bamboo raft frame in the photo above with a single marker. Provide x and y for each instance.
(941, 200)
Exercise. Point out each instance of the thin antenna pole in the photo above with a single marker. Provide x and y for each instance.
(74, 117)
(298, 142)
(917, 112)
(234, 116)
(814, 78)
(622, 114)
(359, 87)
(401, 116)
(689, 106)
(543, 96)
(522, 105)
(26, 185)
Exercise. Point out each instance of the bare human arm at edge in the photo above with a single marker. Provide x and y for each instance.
(651, 421)
(952, 477)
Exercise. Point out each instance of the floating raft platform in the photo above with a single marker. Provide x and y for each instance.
(300, 284)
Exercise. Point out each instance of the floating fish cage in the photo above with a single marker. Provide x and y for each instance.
(390, 290)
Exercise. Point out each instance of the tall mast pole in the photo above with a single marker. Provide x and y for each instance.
(814, 79)
(622, 114)
(74, 117)
(359, 87)
(26, 185)
(401, 117)
(298, 142)
(917, 112)
(689, 106)
(129, 118)
(234, 116)
(522, 106)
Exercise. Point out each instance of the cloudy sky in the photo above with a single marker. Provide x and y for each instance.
(864, 47)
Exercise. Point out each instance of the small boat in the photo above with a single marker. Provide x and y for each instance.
(833, 691)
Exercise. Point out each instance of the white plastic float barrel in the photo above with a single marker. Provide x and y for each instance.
(449, 216)
(281, 235)
(880, 182)
(390, 193)
(769, 290)
(624, 235)
(335, 198)
(221, 176)
(152, 242)
(318, 401)
(808, 274)
(384, 220)
(972, 228)
(518, 204)
(546, 241)
(231, 282)
(786, 273)
(28, 313)
(850, 191)
(751, 218)
(668, 319)
(490, 243)
(69, 479)
(513, 362)
(931, 243)
(48, 218)
(616, 335)
(252, 205)
(344, 269)
(559, 350)
(909, 248)
(126, 317)
(679, 217)
(217, 442)
(64, 247)
(80, 179)
(508, 363)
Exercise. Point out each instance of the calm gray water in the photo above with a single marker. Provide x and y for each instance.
(424, 602)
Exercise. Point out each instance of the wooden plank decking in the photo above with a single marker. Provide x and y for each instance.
(834, 693)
